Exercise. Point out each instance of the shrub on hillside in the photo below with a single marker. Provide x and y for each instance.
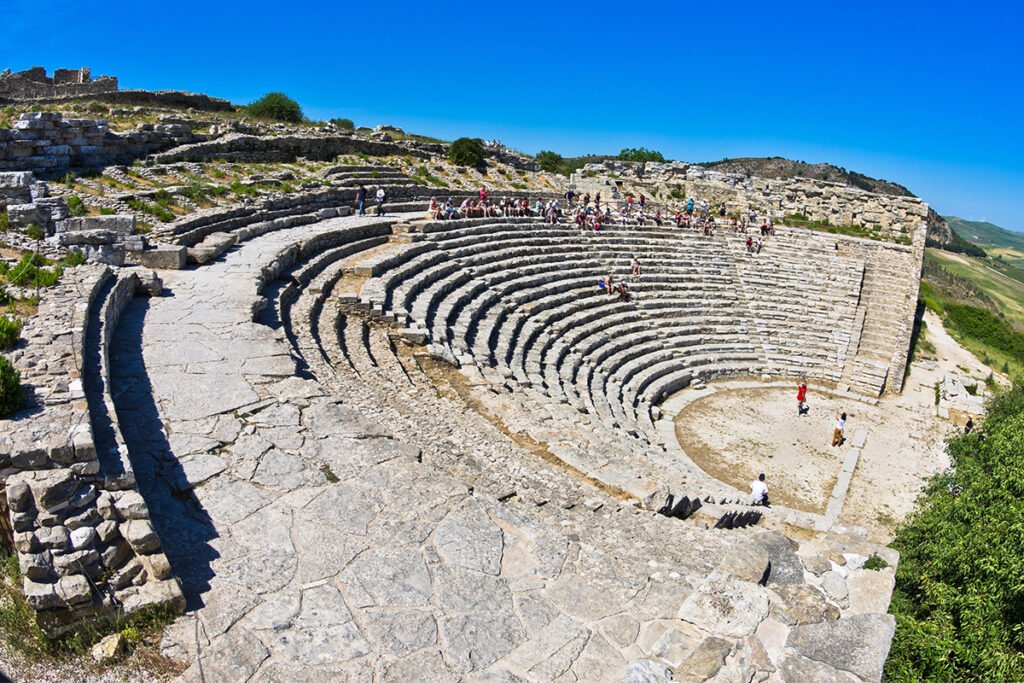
(467, 152)
(958, 601)
(344, 124)
(76, 207)
(640, 154)
(550, 161)
(276, 106)
(10, 332)
(12, 396)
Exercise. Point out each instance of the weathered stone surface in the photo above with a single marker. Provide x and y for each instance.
(835, 586)
(870, 590)
(725, 606)
(802, 604)
(857, 644)
(706, 660)
(109, 649)
(467, 538)
(140, 534)
(646, 671)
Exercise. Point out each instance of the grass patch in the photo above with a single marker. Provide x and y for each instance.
(875, 563)
(873, 232)
(240, 189)
(161, 213)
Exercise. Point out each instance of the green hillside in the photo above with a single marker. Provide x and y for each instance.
(1006, 247)
(986, 234)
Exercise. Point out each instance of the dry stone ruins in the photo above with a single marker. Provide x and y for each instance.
(391, 448)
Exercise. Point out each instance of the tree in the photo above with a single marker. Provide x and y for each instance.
(467, 152)
(276, 106)
(12, 396)
(550, 161)
(344, 124)
(640, 154)
(959, 601)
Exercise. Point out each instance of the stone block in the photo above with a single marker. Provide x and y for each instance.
(141, 536)
(162, 257)
(74, 590)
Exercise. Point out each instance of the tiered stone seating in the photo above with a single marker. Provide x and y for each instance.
(521, 296)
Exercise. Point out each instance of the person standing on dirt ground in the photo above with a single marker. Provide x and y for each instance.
(837, 434)
(380, 200)
(801, 397)
(759, 491)
(361, 200)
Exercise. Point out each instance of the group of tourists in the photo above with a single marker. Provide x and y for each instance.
(379, 195)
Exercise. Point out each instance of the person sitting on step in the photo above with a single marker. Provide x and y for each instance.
(623, 291)
(434, 210)
(759, 491)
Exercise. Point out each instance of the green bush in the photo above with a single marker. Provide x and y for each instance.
(10, 332)
(276, 106)
(242, 190)
(959, 600)
(73, 258)
(344, 124)
(550, 161)
(986, 327)
(76, 207)
(158, 212)
(5, 221)
(640, 154)
(467, 152)
(12, 396)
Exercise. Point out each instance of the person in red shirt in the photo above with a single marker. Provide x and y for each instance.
(801, 398)
(483, 194)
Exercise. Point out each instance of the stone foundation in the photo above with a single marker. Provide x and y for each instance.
(85, 544)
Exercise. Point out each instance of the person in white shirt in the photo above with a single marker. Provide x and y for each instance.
(759, 491)
(380, 201)
(837, 434)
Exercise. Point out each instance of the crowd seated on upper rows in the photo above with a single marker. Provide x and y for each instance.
(588, 214)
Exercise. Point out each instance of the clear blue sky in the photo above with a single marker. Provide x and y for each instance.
(928, 94)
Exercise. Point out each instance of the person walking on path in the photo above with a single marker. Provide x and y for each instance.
(361, 200)
(837, 434)
(759, 491)
(380, 200)
(801, 398)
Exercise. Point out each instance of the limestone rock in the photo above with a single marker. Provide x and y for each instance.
(726, 606)
(109, 649)
(141, 536)
(802, 604)
(857, 644)
(646, 671)
(870, 590)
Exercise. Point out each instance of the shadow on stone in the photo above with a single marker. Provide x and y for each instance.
(184, 527)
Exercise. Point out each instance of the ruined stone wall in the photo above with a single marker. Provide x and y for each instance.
(33, 84)
(85, 544)
(895, 218)
(48, 144)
